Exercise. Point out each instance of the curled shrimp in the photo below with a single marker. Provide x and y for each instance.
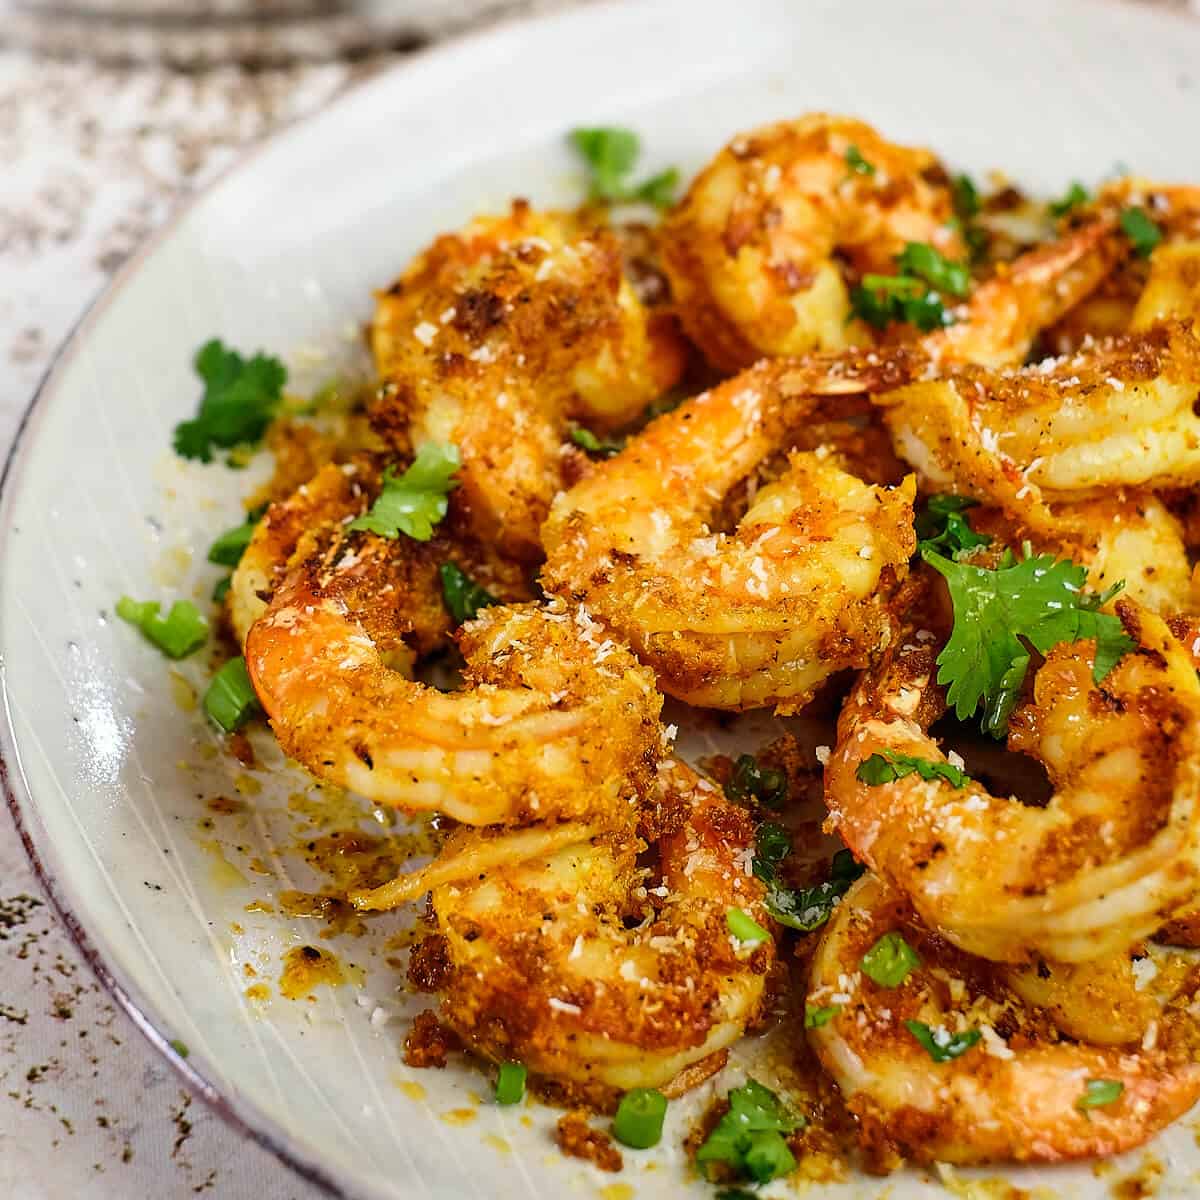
(553, 713)
(393, 587)
(1021, 1092)
(750, 250)
(602, 974)
(761, 615)
(496, 338)
(1114, 852)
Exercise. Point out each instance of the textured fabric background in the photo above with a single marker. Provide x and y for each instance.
(93, 159)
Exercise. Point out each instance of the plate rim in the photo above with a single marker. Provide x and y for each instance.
(240, 1113)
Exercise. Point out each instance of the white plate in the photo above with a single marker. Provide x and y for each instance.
(108, 775)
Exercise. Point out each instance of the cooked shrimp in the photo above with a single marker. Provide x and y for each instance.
(751, 618)
(1113, 854)
(1117, 414)
(553, 720)
(392, 587)
(1172, 290)
(496, 338)
(750, 250)
(601, 974)
(1019, 1093)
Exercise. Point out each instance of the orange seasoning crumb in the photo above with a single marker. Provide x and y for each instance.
(304, 967)
(578, 1139)
(429, 1041)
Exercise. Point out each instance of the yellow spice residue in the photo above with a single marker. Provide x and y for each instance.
(258, 991)
(459, 1116)
(412, 1089)
(222, 872)
(260, 906)
(497, 1143)
(617, 1191)
(182, 693)
(306, 967)
(247, 785)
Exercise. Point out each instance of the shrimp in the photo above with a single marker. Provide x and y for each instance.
(1117, 414)
(495, 339)
(600, 974)
(393, 587)
(762, 615)
(553, 717)
(1018, 1092)
(750, 250)
(1113, 854)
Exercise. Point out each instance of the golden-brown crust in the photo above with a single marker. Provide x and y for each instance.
(576, 1137)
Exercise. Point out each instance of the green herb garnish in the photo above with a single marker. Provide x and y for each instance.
(179, 1047)
(809, 908)
(881, 300)
(965, 197)
(510, 1083)
(229, 547)
(221, 589)
(180, 633)
(462, 595)
(890, 765)
(923, 261)
(230, 699)
(1074, 196)
(240, 399)
(585, 439)
(611, 154)
(412, 503)
(942, 526)
(856, 162)
(767, 785)
(744, 928)
(748, 1139)
(997, 612)
(772, 844)
(639, 1118)
(1141, 231)
(1099, 1092)
(890, 961)
(814, 1018)
(940, 1044)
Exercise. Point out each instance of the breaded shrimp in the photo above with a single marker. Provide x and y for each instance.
(1114, 852)
(759, 616)
(496, 338)
(1017, 1091)
(392, 587)
(1117, 414)
(553, 718)
(750, 250)
(602, 974)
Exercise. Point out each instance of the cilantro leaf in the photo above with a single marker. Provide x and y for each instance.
(1141, 231)
(882, 299)
(585, 439)
(462, 595)
(942, 525)
(414, 502)
(856, 162)
(240, 399)
(772, 845)
(1075, 195)
(922, 260)
(940, 1044)
(965, 197)
(611, 153)
(809, 908)
(768, 785)
(748, 1139)
(891, 765)
(814, 1018)
(997, 612)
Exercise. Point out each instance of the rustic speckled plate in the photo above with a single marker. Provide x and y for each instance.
(109, 765)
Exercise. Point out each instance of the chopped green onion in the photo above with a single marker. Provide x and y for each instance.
(890, 961)
(1075, 195)
(179, 1047)
(510, 1083)
(463, 596)
(940, 1044)
(1141, 231)
(179, 634)
(230, 699)
(744, 927)
(585, 439)
(639, 1119)
(856, 162)
(1099, 1092)
(814, 1018)
(221, 589)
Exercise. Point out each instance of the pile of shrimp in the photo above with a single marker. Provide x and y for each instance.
(752, 545)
